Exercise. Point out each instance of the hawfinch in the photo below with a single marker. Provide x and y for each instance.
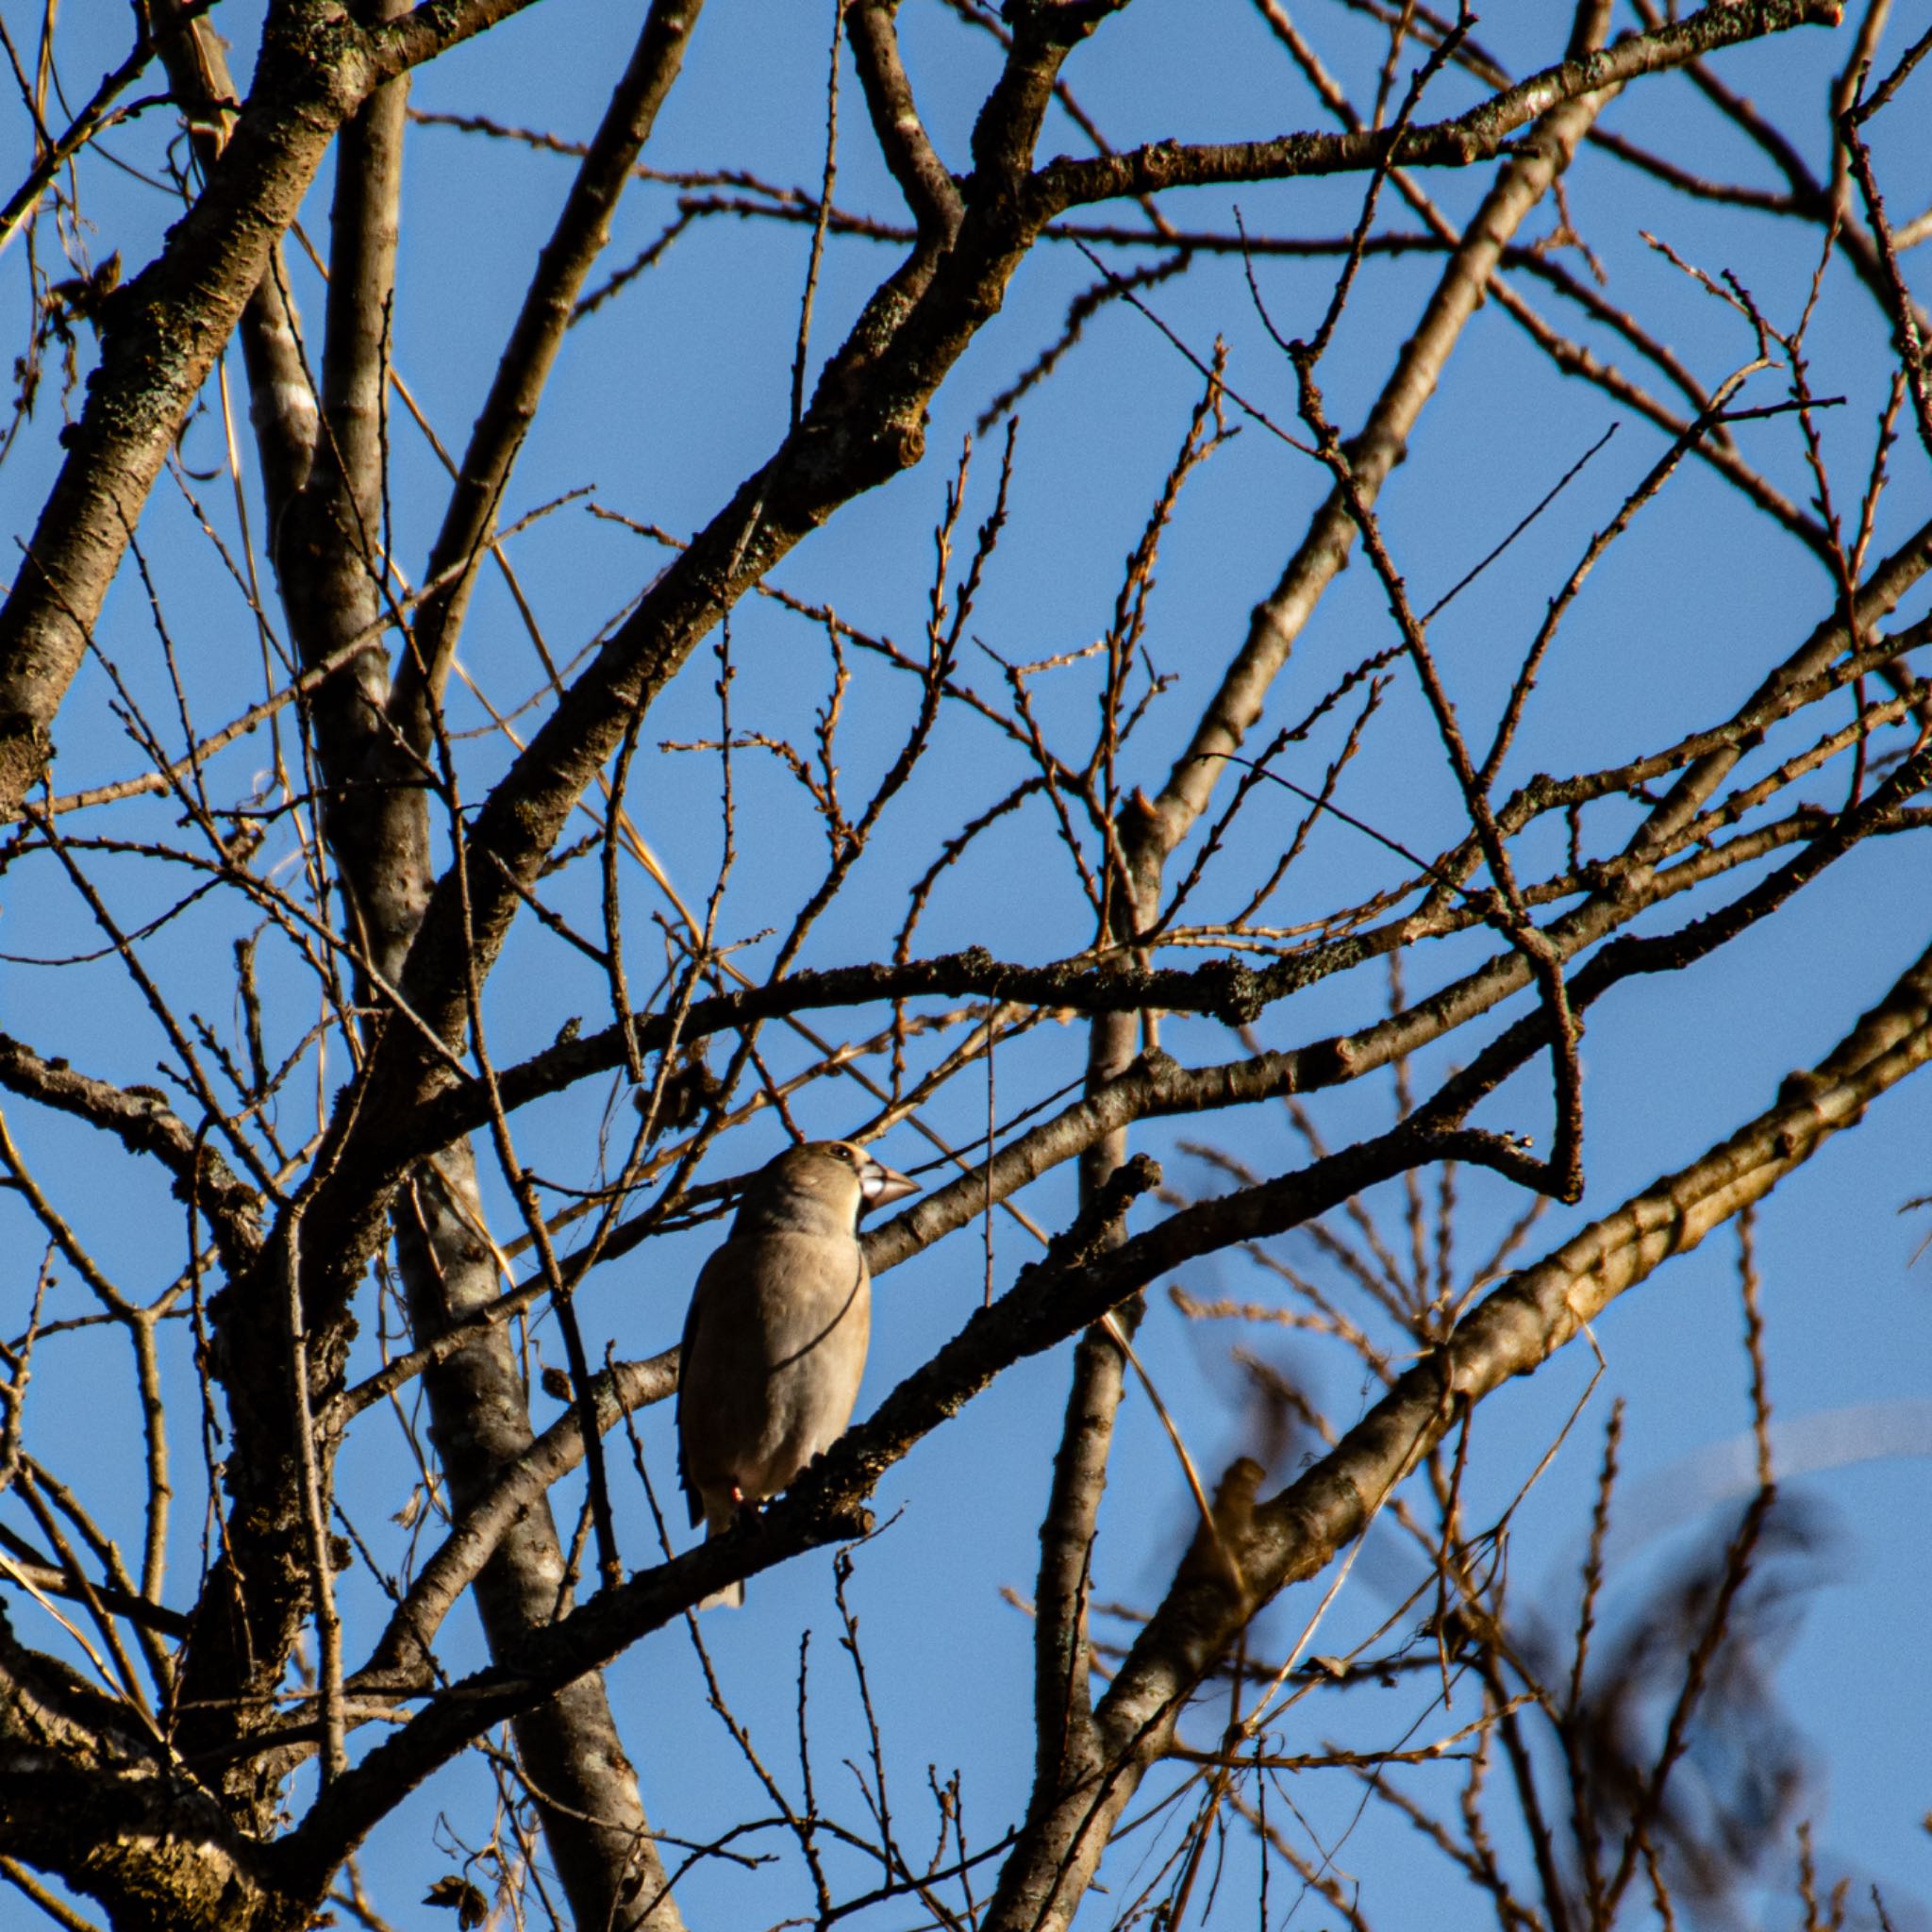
(775, 1343)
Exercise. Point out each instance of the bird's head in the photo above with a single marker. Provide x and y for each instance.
(819, 1186)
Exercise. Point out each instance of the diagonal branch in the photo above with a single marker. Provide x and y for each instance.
(1480, 134)
(144, 1123)
(160, 337)
(583, 227)
(916, 167)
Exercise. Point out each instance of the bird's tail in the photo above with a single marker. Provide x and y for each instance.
(732, 1595)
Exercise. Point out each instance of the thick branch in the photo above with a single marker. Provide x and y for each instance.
(144, 1123)
(378, 827)
(87, 1793)
(160, 337)
(1479, 135)
(433, 27)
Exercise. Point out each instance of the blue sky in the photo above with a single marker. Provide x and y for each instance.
(661, 404)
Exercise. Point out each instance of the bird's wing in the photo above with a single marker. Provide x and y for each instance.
(684, 1347)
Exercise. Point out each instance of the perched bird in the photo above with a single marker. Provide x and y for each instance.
(775, 1343)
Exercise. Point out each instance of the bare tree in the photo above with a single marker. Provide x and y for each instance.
(349, 894)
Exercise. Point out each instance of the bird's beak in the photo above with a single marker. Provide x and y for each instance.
(880, 1184)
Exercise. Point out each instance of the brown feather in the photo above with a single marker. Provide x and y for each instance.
(776, 1340)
